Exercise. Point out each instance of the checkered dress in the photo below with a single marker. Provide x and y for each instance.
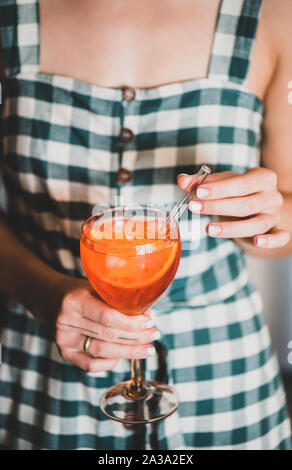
(62, 154)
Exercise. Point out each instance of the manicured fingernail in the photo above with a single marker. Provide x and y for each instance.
(148, 324)
(262, 241)
(195, 206)
(150, 351)
(202, 192)
(214, 230)
(155, 335)
(186, 181)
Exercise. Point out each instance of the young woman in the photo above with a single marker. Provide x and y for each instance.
(106, 98)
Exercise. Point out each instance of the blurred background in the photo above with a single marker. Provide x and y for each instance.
(273, 278)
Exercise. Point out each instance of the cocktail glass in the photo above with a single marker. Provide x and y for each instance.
(130, 258)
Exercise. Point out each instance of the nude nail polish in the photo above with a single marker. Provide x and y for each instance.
(150, 351)
(195, 206)
(155, 335)
(202, 192)
(261, 241)
(148, 324)
(214, 230)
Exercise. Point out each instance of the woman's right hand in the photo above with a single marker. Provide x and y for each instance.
(70, 308)
(114, 334)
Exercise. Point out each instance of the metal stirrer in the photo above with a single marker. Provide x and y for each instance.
(181, 205)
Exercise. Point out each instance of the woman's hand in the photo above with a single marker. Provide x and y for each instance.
(114, 335)
(248, 206)
(71, 309)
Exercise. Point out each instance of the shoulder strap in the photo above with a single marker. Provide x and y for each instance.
(234, 39)
(19, 30)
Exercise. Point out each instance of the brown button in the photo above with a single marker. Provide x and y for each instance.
(124, 175)
(129, 94)
(126, 135)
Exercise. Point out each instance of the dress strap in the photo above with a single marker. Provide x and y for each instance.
(19, 30)
(234, 39)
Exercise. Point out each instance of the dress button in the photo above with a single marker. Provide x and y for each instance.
(124, 175)
(126, 135)
(129, 94)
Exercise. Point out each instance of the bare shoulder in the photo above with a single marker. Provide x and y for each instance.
(277, 11)
(277, 22)
(272, 45)
(278, 115)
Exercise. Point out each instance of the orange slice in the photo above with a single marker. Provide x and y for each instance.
(125, 272)
(132, 263)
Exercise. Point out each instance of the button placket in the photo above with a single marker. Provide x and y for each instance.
(126, 136)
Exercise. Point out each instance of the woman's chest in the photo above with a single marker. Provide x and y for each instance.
(141, 44)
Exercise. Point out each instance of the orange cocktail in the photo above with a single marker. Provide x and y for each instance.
(129, 273)
(130, 261)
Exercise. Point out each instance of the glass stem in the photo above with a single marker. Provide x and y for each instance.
(136, 388)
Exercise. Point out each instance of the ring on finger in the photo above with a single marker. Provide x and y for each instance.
(86, 343)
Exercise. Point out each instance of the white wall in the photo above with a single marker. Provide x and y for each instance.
(274, 280)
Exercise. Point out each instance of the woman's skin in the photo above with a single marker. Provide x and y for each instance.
(113, 43)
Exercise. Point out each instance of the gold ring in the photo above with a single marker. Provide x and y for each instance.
(86, 343)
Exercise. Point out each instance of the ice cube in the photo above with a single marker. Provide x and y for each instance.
(114, 262)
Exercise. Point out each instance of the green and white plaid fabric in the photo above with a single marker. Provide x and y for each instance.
(61, 156)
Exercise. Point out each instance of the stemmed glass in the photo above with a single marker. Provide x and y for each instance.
(130, 258)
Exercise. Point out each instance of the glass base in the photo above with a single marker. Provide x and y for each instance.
(154, 402)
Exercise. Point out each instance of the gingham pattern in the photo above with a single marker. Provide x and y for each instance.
(61, 156)
(234, 41)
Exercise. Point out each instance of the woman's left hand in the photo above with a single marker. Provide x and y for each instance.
(248, 206)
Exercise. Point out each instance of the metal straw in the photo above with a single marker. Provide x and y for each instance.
(181, 205)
